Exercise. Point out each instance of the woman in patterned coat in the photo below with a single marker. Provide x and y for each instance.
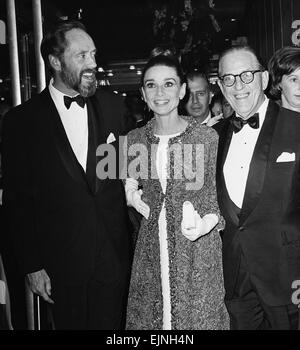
(177, 280)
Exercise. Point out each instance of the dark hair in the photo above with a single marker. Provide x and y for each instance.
(164, 60)
(54, 41)
(164, 49)
(242, 48)
(217, 98)
(284, 61)
(194, 74)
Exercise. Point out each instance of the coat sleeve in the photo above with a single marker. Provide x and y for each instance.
(206, 198)
(19, 189)
(212, 166)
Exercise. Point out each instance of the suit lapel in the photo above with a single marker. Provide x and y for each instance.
(92, 145)
(96, 138)
(223, 196)
(224, 142)
(258, 165)
(61, 141)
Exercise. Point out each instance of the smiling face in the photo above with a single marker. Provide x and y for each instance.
(162, 90)
(245, 99)
(76, 70)
(290, 90)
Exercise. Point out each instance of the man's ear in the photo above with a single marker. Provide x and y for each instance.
(265, 79)
(55, 63)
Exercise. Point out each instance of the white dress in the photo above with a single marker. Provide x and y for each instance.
(161, 166)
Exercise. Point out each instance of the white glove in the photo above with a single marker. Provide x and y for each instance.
(133, 197)
(212, 121)
(192, 226)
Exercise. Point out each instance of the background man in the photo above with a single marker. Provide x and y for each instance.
(258, 198)
(70, 228)
(199, 96)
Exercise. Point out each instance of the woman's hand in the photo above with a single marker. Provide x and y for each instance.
(192, 225)
(134, 197)
(139, 204)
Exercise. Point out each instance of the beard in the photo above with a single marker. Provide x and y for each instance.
(85, 87)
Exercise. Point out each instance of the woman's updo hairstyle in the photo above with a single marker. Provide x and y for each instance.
(163, 57)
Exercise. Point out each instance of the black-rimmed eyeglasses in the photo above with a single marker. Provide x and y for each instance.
(246, 77)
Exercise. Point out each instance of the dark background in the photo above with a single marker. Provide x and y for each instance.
(123, 33)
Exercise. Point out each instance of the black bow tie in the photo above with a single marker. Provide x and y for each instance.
(80, 100)
(238, 123)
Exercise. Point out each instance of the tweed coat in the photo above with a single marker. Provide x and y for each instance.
(196, 278)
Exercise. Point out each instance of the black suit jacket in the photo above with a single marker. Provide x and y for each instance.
(60, 216)
(267, 230)
(220, 125)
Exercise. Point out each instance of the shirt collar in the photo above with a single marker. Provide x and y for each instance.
(207, 118)
(261, 111)
(57, 95)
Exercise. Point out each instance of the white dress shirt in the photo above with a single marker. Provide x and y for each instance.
(205, 121)
(237, 163)
(211, 121)
(75, 123)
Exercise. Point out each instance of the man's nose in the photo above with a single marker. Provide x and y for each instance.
(238, 85)
(91, 61)
(195, 99)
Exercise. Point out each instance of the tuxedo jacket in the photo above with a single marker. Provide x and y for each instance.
(60, 216)
(267, 231)
(220, 125)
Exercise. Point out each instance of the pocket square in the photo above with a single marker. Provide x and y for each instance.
(286, 157)
(111, 138)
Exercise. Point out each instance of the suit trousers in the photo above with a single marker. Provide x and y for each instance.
(99, 303)
(247, 310)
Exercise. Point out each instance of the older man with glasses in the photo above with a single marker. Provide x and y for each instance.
(258, 193)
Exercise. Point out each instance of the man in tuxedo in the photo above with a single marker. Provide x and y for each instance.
(258, 193)
(70, 227)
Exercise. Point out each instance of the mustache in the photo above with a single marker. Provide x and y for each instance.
(93, 71)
